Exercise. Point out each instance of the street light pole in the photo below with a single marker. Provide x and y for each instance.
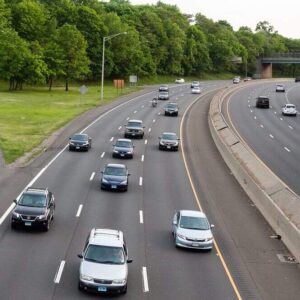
(106, 38)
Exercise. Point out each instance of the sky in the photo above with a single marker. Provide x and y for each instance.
(284, 16)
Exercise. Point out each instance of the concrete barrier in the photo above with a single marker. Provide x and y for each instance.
(276, 202)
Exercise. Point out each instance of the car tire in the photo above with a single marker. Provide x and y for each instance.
(124, 291)
(80, 288)
(13, 226)
(47, 226)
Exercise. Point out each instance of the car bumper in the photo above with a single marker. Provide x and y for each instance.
(168, 147)
(27, 223)
(134, 134)
(289, 113)
(171, 113)
(113, 186)
(101, 288)
(79, 148)
(123, 155)
(193, 244)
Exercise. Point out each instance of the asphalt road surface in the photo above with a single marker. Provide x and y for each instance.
(37, 265)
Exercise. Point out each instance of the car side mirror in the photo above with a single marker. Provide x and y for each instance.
(101, 172)
(212, 225)
(178, 139)
(174, 222)
(69, 138)
(114, 145)
(15, 201)
(128, 174)
(80, 255)
(129, 261)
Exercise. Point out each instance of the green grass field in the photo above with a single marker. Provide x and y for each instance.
(28, 117)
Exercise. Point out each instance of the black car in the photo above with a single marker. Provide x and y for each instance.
(163, 96)
(297, 79)
(163, 88)
(115, 177)
(123, 148)
(168, 141)
(35, 208)
(263, 102)
(171, 109)
(80, 141)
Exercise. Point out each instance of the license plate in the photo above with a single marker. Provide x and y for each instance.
(113, 186)
(133, 134)
(77, 147)
(27, 223)
(122, 154)
(195, 244)
(168, 147)
(102, 289)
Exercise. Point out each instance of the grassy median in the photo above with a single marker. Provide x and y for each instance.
(29, 116)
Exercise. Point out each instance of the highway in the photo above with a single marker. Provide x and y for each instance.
(273, 137)
(37, 265)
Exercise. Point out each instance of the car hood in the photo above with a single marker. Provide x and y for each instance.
(194, 234)
(171, 108)
(33, 211)
(134, 127)
(112, 178)
(171, 142)
(103, 271)
(123, 149)
(78, 142)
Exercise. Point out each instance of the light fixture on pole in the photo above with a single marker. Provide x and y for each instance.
(106, 38)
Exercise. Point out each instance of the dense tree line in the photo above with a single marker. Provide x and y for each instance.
(45, 40)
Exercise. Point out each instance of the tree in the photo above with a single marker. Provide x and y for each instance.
(5, 15)
(75, 60)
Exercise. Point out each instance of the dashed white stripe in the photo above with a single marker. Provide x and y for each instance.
(142, 158)
(287, 149)
(146, 142)
(135, 112)
(79, 210)
(251, 110)
(261, 125)
(281, 119)
(159, 113)
(112, 138)
(291, 127)
(271, 136)
(120, 127)
(255, 117)
(145, 279)
(142, 106)
(141, 181)
(127, 118)
(59, 272)
(102, 155)
(249, 106)
(275, 112)
(92, 176)
(149, 130)
(141, 217)
(154, 121)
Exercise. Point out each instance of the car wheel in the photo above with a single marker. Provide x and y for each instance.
(80, 288)
(47, 226)
(159, 147)
(13, 226)
(124, 291)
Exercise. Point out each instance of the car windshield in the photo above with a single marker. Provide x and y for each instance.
(290, 106)
(124, 144)
(134, 124)
(105, 254)
(171, 105)
(169, 136)
(115, 171)
(79, 137)
(33, 200)
(163, 93)
(196, 223)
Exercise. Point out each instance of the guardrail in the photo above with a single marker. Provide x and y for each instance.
(276, 202)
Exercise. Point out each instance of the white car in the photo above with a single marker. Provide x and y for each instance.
(236, 80)
(191, 229)
(289, 110)
(179, 80)
(280, 88)
(196, 90)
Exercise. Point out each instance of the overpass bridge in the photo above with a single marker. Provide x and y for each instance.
(264, 64)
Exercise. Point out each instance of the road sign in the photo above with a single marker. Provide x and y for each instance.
(83, 90)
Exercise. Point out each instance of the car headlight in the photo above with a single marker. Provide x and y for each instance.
(104, 180)
(124, 182)
(86, 277)
(129, 152)
(116, 151)
(71, 143)
(181, 236)
(119, 281)
(42, 217)
(16, 215)
(209, 239)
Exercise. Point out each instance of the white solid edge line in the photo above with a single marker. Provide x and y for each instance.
(59, 272)
(102, 155)
(92, 176)
(142, 157)
(141, 181)
(79, 210)
(141, 217)
(7, 212)
(145, 279)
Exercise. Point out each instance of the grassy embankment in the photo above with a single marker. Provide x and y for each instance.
(27, 117)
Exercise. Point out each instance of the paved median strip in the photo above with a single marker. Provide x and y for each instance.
(59, 272)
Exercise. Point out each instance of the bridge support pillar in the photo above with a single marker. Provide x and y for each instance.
(266, 70)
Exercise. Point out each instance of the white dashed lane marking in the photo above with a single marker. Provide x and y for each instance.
(261, 125)
(142, 158)
(141, 181)
(281, 119)
(255, 118)
(135, 112)
(102, 155)
(287, 149)
(92, 176)
(141, 217)
(112, 138)
(146, 142)
(149, 130)
(145, 279)
(271, 136)
(291, 127)
(120, 127)
(79, 210)
(59, 272)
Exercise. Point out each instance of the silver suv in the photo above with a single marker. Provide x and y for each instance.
(134, 128)
(104, 259)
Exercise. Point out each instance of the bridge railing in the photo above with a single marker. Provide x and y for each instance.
(283, 55)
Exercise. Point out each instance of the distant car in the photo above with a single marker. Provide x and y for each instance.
(179, 80)
(247, 79)
(103, 267)
(280, 88)
(196, 90)
(115, 177)
(134, 129)
(297, 79)
(191, 229)
(163, 95)
(263, 101)
(289, 110)
(171, 109)
(195, 84)
(236, 80)
(35, 208)
(163, 88)
(123, 148)
(168, 141)
(80, 141)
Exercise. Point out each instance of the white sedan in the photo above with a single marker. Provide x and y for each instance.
(196, 90)
(179, 80)
(280, 88)
(289, 110)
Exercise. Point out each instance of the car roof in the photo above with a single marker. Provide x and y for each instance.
(36, 191)
(133, 120)
(172, 103)
(263, 97)
(124, 140)
(116, 166)
(171, 133)
(192, 213)
(78, 133)
(106, 237)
